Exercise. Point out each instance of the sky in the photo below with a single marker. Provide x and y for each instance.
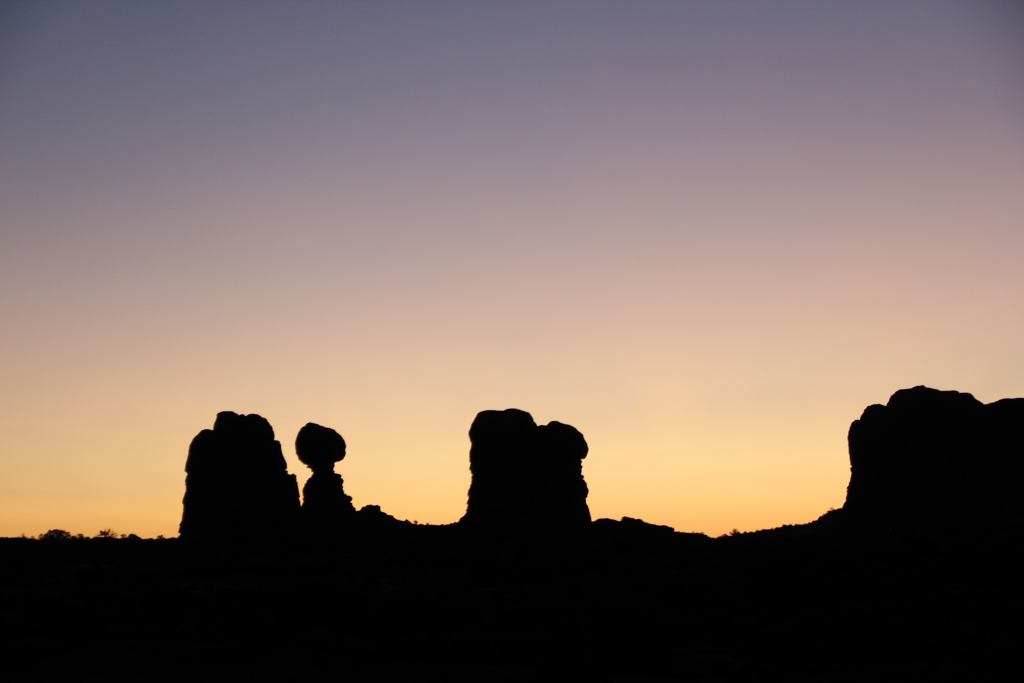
(706, 234)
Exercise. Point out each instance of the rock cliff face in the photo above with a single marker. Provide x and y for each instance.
(933, 457)
(324, 503)
(237, 484)
(525, 476)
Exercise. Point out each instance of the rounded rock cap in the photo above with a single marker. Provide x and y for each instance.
(319, 447)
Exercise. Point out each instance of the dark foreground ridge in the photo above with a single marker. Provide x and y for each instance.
(915, 577)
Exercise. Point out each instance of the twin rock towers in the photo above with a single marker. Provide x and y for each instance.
(525, 477)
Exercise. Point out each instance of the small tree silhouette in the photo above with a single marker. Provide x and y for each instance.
(107, 533)
(56, 535)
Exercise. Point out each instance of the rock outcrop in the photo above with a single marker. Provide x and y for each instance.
(237, 484)
(525, 476)
(324, 503)
(936, 458)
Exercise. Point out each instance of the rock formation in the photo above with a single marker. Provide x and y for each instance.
(938, 458)
(324, 503)
(237, 484)
(525, 476)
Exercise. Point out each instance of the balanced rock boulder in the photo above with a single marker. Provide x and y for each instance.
(324, 503)
(525, 476)
(237, 484)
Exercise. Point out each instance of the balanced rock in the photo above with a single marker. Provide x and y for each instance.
(324, 502)
(525, 476)
(936, 458)
(237, 484)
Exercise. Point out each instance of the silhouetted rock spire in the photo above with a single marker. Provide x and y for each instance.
(324, 503)
(237, 483)
(938, 458)
(525, 476)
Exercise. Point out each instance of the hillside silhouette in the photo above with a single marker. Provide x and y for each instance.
(916, 576)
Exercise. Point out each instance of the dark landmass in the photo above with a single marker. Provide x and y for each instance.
(916, 577)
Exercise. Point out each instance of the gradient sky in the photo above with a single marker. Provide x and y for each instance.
(706, 234)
